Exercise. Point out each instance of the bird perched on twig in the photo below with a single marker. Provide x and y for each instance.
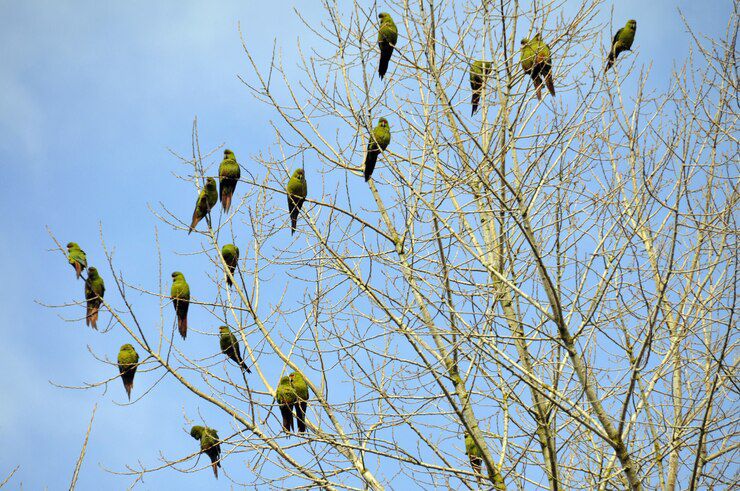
(209, 445)
(379, 141)
(479, 71)
(128, 359)
(228, 176)
(387, 38)
(536, 61)
(622, 41)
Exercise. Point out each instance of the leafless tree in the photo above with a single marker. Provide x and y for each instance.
(555, 277)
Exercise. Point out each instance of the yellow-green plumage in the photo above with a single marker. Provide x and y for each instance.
(379, 141)
(301, 389)
(286, 397)
(479, 71)
(622, 41)
(230, 347)
(180, 294)
(206, 200)
(76, 258)
(474, 454)
(228, 176)
(297, 190)
(230, 253)
(209, 445)
(127, 361)
(387, 38)
(94, 292)
(537, 62)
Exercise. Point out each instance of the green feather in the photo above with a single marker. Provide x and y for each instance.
(229, 173)
(381, 138)
(286, 397)
(622, 41)
(180, 294)
(479, 71)
(230, 347)
(387, 38)
(297, 190)
(206, 200)
(94, 292)
(128, 358)
(536, 61)
(230, 253)
(77, 258)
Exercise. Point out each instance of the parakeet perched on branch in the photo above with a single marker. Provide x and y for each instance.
(209, 445)
(301, 404)
(180, 294)
(474, 454)
(228, 176)
(127, 361)
(230, 347)
(297, 190)
(206, 200)
(94, 292)
(76, 258)
(230, 253)
(387, 38)
(622, 41)
(479, 71)
(286, 397)
(380, 138)
(536, 61)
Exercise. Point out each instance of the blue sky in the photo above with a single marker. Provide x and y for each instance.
(92, 95)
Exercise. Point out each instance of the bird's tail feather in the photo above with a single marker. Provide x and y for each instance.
(477, 465)
(194, 223)
(609, 61)
(293, 220)
(383, 66)
(226, 193)
(287, 414)
(538, 88)
(92, 316)
(550, 84)
(370, 161)
(182, 326)
(128, 385)
(300, 413)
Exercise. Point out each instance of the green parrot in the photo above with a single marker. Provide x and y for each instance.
(474, 454)
(180, 294)
(127, 361)
(301, 389)
(286, 397)
(381, 137)
(536, 62)
(230, 347)
(622, 41)
(76, 258)
(209, 445)
(230, 253)
(297, 189)
(478, 73)
(206, 200)
(94, 292)
(228, 176)
(387, 37)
